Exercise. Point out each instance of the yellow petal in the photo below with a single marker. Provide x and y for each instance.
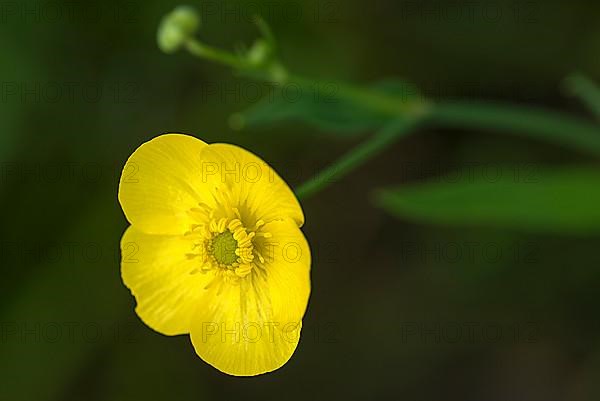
(235, 335)
(161, 182)
(249, 183)
(253, 327)
(286, 269)
(157, 271)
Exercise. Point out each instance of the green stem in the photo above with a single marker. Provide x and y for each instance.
(357, 157)
(534, 123)
(201, 50)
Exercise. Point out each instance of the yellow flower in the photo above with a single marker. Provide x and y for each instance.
(214, 250)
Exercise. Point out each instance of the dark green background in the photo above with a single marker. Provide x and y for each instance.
(68, 329)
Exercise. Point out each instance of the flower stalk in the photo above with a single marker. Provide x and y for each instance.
(261, 62)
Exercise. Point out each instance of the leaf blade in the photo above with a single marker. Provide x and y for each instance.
(562, 200)
(333, 107)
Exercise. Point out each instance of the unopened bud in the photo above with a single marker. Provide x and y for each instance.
(177, 27)
(260, 53)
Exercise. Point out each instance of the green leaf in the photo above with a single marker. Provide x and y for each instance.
(333, 107)
(556, 200)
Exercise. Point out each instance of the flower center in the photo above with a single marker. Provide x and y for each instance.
(224, 247)
(229, 247)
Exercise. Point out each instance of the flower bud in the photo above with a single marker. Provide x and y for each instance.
(177, 27)
(260, 53)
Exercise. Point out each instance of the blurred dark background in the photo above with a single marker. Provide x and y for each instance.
(399, 310)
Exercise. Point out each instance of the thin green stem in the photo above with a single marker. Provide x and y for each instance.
(536, 123)
(357, 156)
(204, 51)
(530, 122)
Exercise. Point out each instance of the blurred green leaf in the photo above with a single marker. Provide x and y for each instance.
(332, 107)
(557, 200)
(532, 122)
(71, 309)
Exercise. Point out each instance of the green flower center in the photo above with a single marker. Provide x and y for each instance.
(224, 247)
